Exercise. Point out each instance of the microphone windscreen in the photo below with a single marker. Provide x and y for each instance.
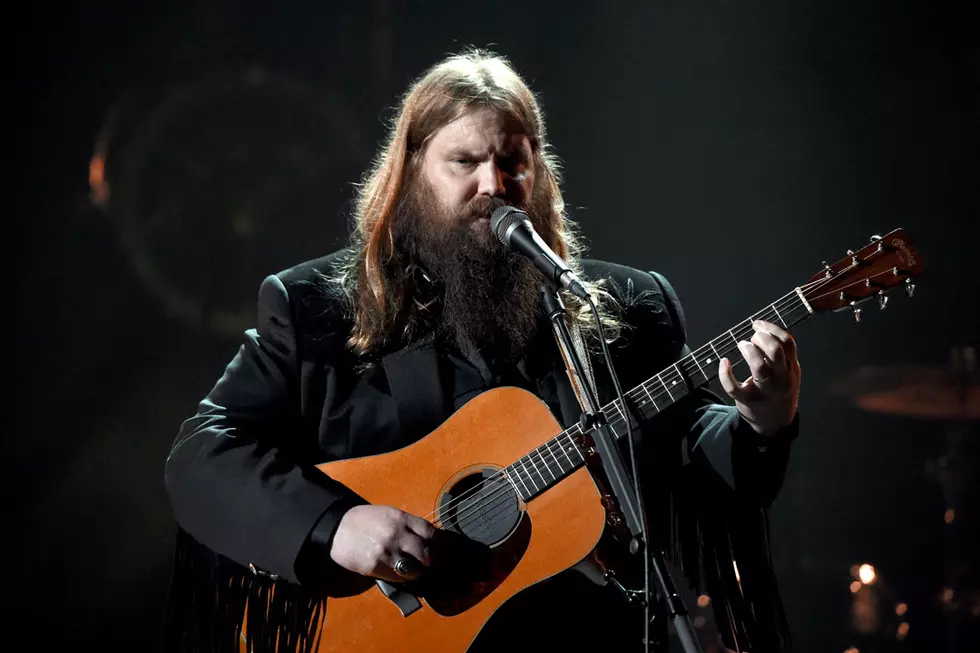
(503, 219)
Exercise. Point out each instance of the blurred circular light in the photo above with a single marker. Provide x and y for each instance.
(867, 574)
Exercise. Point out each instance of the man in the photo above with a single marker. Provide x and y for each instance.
(371, 348)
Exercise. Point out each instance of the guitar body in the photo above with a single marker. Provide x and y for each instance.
(551, 533)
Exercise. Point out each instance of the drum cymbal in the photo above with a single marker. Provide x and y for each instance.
(913, 391)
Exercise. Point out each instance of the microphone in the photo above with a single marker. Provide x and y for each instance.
(513, 228)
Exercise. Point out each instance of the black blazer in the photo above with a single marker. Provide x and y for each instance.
(241, 473)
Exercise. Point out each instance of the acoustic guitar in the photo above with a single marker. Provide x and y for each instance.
(525, 489)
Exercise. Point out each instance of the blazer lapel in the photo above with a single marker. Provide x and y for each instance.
(417, 389)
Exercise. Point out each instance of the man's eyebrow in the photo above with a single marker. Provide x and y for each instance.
(464, 150)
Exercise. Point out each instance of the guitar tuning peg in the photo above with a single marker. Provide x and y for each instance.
(857, 312)
(882, 300)
(875, 238)
(909, 288)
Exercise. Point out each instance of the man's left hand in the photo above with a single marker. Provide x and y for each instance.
(768, 399)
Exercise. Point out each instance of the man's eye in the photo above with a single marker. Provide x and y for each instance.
(464, 162)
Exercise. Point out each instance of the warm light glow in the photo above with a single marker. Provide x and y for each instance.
(855, 586)
(949, 516)
(853, 649)
(901, 609)
(97, 180)
(867, 574)
(737, 576)
(704, 600)
(854, 571)
(903, 630)
(948, 595)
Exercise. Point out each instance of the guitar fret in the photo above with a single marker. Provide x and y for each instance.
(544, 461)
(665, 387)
(785, 326)
(679, 374)
(699, 366)
(511, 481)
(521, 479)
(711, 343)
(734, 339)
(555, 458)
(563, 448)
(650, 396)
(529, 476)
(535, 465)
(576, 448)
(621, 411)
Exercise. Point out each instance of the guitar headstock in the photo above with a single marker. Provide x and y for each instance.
(871, 272)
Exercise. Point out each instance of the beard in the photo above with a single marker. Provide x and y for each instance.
(487, 295)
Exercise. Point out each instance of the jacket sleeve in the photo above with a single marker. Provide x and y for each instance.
(721, 526)
(235, 474)
(721, 441)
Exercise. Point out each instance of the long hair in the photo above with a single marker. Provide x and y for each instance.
(385, 312)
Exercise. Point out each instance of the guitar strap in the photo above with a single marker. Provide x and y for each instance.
(583, 354)
(588, 566)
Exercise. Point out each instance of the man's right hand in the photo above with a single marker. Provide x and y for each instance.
(370, 539)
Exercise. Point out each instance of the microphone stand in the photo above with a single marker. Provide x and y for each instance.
(630, 502)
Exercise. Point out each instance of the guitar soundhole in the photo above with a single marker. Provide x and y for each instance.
(482, 509)
(481, 505)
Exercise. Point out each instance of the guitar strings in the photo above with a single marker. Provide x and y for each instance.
(477, 507)
(491, 515)
(742, 330)
(770, 311)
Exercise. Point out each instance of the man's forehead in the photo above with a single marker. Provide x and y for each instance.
(481, 128)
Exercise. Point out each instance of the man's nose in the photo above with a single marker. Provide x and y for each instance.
(491, 181)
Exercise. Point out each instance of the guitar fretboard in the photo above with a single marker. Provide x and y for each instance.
(548, 464)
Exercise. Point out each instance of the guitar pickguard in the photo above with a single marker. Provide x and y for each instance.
(452, 596)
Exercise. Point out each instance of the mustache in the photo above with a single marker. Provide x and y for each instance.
(482, 207)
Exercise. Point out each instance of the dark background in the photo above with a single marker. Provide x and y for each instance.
(731, 146)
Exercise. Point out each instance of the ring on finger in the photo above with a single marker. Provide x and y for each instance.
(405, 567)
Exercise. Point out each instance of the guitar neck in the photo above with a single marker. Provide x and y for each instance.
(871, 271)
(549, 463)
(700, 367)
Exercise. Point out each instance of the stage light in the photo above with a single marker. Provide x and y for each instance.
(901, 609)
(855, 586)
(704, 600)
(853, 649)
(903, 630)
(867, 574)
(949, 516)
